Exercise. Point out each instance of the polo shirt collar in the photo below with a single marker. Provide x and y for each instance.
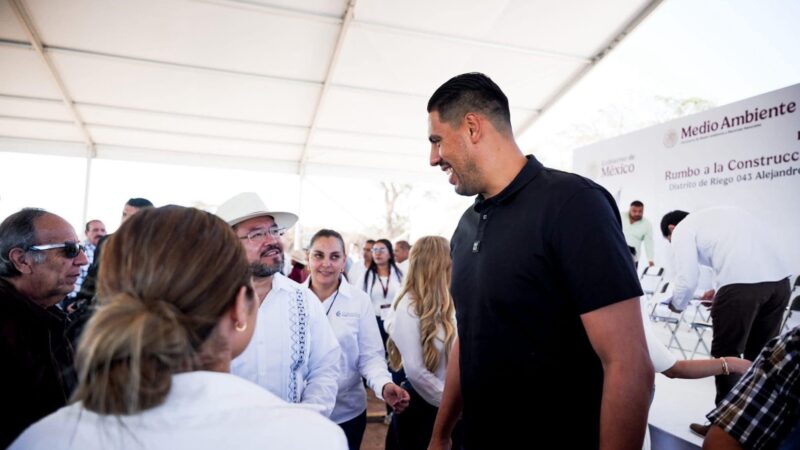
(529, 171)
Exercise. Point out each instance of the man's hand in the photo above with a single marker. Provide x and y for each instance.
(708, 295)
(396, 397)
(651, 263)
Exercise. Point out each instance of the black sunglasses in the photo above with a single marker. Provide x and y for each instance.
(71, 249)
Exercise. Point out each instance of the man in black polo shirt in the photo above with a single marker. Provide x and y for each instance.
(545, 292)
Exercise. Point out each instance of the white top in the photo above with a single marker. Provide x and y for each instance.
(403, 266)
(350, 314)
(380, 302)
(203, 410)
(403, 327)
(294, 353)
(660, 355)
(729, 240)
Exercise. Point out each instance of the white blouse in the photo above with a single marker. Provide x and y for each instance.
(350, 313)
(381, 301)
(403, 327)
(203, 410)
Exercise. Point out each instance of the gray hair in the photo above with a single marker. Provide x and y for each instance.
(18, 231)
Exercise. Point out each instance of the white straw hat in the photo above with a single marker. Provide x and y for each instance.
(249, 205)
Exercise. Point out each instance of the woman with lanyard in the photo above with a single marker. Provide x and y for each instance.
(350, 313)
(423, 329)
(382, 281)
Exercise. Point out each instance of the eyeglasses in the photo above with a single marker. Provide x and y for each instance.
(259, 236)
(71, 249)
(378, 250)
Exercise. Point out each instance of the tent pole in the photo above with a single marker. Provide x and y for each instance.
(90, 154)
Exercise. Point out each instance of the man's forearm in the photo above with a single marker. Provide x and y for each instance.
(626, 400)
(450, 409)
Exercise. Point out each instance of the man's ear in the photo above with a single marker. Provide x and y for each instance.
(670, 228)
(21, 260)
(474, 124)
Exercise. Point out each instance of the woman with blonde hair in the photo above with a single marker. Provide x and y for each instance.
(153, 360)
(422, 331)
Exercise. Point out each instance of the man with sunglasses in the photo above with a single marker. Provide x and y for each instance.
(294, 353)
(40, 260)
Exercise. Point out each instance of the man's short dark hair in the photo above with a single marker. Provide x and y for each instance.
(471, 92)
(139, 202)
(402, 244)
(671, 218)
(370, 241)
(637, 204)
(17, 231)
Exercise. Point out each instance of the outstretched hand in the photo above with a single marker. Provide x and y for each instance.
(396, 397)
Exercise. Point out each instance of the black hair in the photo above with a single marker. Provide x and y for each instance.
(139, 202)
(471, 92)
(671, 218)
(637, 204)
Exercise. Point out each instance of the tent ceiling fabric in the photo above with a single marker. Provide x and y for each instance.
(260, 84)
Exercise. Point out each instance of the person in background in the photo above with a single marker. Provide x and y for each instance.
(422, 331)
(382, 281)
(349, 311)
(401, 249)
(95, 230)
(356, 273)
(294, 353)
(40, 260)
(300, 270)
(154, 359)
(753, 281)
(638, 230)
(543, 287)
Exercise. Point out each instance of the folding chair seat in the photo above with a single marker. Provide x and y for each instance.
(671, 320)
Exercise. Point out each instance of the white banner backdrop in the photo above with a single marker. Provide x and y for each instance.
(745, 154)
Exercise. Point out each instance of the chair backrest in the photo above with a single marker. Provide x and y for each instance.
(655, 271)
(651, 279)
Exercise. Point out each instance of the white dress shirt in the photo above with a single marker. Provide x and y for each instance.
(294, 353)
(203, 410)
(355, 275)
(729, 240)
(381, 302)
(351, 316)
(403, 327)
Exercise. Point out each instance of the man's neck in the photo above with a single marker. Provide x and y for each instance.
(27, 291)
(632, 220)
(262, 286)
(503, 170)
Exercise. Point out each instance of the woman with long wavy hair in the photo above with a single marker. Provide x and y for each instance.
(176, 305)
(422, 331)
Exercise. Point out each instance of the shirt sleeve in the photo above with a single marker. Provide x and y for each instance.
(371, 358)
(687, 268)
(323, 368)
(406, 336)
(591, 252)
(764, 406)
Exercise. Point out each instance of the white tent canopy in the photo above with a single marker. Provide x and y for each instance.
(297, 86)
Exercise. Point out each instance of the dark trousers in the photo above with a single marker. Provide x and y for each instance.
(412, 429)
(745, 317)
(354, 430)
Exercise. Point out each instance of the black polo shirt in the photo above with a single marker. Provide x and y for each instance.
(526, 264)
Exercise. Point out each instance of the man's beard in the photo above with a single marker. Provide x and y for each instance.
(261, 270)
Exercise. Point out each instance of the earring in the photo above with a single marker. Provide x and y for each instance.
(240, 328)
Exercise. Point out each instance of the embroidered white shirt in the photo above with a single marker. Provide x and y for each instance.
(203, 410)
(294, 353)
(351, 316)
